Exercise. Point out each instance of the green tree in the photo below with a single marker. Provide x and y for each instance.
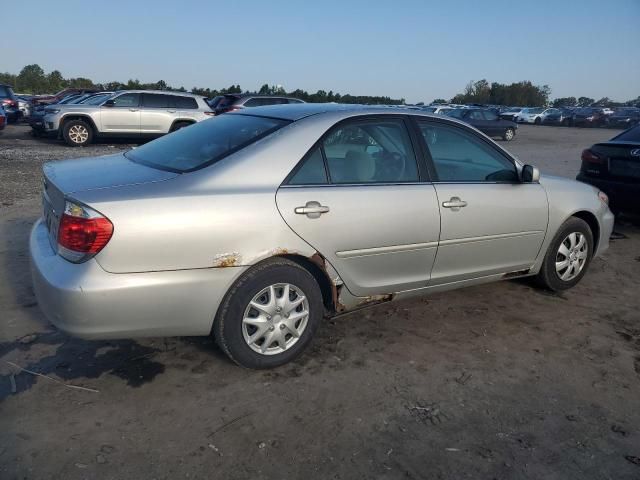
(565, 102)
(31, 79)
(585, 101)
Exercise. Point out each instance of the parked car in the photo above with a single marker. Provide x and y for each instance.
(232, 226)
(614, 168)
(129, 113)
(3, 118)
(49, 99)
(510, 113)
(232, 102)
(530, 115)
(36, 119)
(558, 116)
(24, 105)
(588, 117)
(437, 109)
(486, 121)
(624, 117)
(9, 103)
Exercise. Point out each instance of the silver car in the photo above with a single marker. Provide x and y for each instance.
(254, 226)
(130, 114)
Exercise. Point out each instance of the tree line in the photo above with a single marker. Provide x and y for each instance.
(525, 94)
(32, 79)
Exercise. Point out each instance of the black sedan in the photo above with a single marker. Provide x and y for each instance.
(614, 168)
(487, 121)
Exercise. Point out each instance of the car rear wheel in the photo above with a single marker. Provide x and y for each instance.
(77, 133)
(508, 135)
(568, 256)
(270, 315)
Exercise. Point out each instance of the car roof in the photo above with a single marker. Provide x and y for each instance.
(164, 92)
(299, 111)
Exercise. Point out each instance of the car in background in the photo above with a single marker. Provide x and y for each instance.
(3, 118)
(608, 111)
(530, 115)
(510, 113)
(36, 121)
(558, 116)
(589, 117)
(487, 121)
(436, 109)
(49, 99)
(235, 101)
(233, 227)
(624, 117)
(25, 105)
(125, 114)
(9, 103)
(614, 168)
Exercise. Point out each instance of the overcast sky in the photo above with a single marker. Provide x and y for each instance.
(418, 50)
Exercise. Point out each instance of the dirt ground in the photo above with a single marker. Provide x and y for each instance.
(499, 381)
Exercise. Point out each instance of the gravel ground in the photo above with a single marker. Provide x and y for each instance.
(500, 381)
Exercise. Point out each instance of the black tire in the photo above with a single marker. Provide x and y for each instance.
(537, 121)
(228, 324)
(179, 125)
(77, 133)
(509, 134)
(548, 277)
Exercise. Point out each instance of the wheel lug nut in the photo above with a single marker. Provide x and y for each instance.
(282, 327)
(271, 328)
(268, 317)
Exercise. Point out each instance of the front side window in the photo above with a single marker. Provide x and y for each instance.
(461, 156)
(489, 115)
(127, 100)
(204, 143)
(476, 115)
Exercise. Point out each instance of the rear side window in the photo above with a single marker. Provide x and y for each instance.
(204, 143)
(489, 115)
(153, 100)
(362, 152)
(185, 103)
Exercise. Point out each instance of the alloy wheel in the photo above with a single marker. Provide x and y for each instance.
(78, 134)
(275, 319)
(572, 256)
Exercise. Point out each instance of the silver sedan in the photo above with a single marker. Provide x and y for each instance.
(254, 226)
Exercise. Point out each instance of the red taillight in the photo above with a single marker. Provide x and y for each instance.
(591, 157)
(82, 232)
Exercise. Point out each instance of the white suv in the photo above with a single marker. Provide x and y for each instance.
(131, 113)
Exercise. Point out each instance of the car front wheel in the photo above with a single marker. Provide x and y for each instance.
(508, 135)
(568, 256)
(270, 315)
(77, 133)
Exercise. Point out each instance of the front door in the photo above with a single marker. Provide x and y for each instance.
(491, 222)
(123, 116)
(359, 199)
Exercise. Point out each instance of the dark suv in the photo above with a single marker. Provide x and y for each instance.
(9, 102)
(614, 168)
(232, 101)
(589, 117)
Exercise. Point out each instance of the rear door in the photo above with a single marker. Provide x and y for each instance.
(156, 113)
(491, 223)
(493, 124)
(360, 198)
(123, 116)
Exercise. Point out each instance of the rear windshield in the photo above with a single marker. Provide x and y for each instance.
(631, 135)
(226, 101)
(6, 91)
(204, 143)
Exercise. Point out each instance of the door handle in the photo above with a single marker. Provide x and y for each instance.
(171, 111)
(312, 209)
(133, 109)
(454, 203)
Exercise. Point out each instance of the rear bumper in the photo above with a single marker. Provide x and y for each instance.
(623, 196)
(86, 301)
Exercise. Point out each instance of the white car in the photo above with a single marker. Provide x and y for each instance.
(437, 109)
(530, 115)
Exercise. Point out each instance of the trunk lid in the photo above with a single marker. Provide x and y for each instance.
(619, 162)
(67, 177)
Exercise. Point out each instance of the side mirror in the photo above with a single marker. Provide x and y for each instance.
(530, 174)
(109, 103)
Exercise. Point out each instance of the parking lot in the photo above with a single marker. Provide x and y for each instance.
(496, 381)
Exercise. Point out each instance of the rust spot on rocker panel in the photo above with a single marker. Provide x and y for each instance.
(374, 299)
(335, 289)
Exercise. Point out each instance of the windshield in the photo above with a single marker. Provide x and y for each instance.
(204, 143)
